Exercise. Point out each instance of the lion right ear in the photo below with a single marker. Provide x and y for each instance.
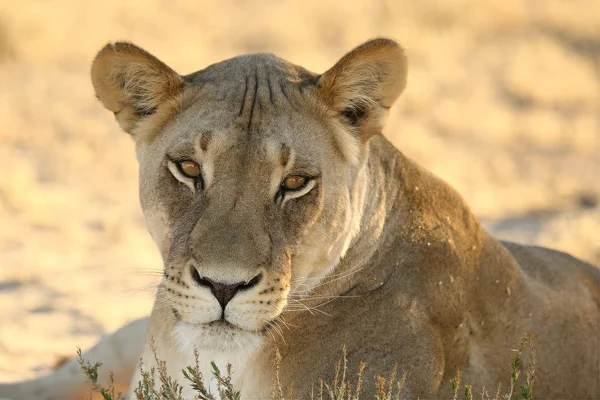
(132, 83)
(363, 85)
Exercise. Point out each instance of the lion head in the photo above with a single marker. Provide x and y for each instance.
(252, 175)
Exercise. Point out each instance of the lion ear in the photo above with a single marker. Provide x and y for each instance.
(132, 83)
(364, 84)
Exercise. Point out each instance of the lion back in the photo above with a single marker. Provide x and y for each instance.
(565, 297)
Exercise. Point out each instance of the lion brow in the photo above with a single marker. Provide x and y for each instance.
(205, 139)
(284, 154)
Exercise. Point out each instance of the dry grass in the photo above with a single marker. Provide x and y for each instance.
(502, 102)
(156, 384)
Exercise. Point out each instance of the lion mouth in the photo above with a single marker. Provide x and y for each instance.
(221, 323)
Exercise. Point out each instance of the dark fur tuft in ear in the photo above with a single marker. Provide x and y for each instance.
(354, 115)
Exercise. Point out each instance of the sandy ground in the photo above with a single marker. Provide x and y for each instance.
(503, 101)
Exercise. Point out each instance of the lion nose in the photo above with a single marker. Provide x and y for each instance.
(224, 292)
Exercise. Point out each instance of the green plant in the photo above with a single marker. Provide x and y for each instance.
(91, 371)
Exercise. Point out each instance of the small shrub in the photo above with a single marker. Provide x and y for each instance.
(340, 388)
(91, 371)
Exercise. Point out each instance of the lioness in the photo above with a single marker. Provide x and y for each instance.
(287, 222)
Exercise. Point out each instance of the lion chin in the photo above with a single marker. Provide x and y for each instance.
(218, 336)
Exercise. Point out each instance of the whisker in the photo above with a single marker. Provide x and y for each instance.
(312, 310)
(287, 324)
(279, 331)
(143, 271)
(341, 276)
(312, 297)
(326, 280)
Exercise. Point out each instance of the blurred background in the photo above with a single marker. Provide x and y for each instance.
(503, 102)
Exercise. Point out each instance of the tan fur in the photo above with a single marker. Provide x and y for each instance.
(131, 83)
(377, 255)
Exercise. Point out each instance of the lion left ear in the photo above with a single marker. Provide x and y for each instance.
(132, 83)
(364, 84)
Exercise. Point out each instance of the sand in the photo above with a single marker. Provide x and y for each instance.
(503, 102)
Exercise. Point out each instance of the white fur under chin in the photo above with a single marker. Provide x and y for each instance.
(215, 338)
(219, 344)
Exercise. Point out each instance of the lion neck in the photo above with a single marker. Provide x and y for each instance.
(409, 216)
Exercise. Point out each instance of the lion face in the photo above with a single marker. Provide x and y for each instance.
(252, 176)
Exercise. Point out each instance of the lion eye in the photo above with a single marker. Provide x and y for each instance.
(189, 168)
(294, 186)
(294, 182)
